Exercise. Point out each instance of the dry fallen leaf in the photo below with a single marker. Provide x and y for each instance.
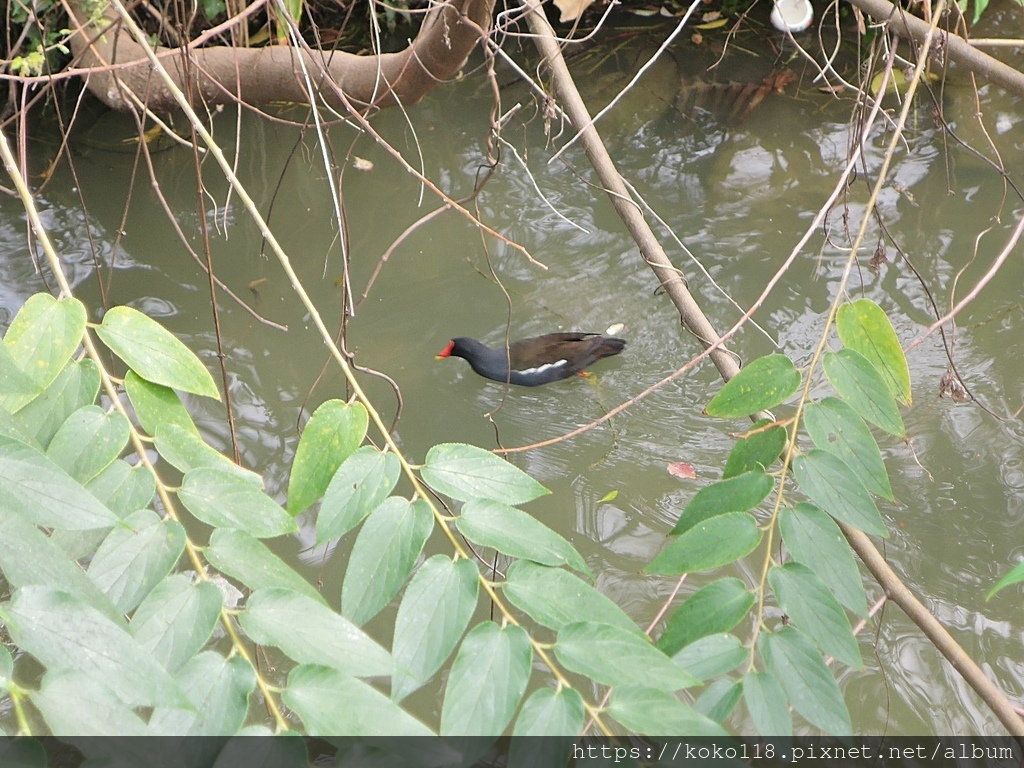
(614, 329)
(362, 164)
(683, 470)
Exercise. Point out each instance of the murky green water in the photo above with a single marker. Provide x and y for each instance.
(738, 195)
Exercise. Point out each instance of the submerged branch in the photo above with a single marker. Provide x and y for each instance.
(226, 74)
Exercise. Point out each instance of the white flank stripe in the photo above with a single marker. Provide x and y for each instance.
(542, 368)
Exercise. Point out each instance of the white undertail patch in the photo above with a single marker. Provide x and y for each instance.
(542, 368)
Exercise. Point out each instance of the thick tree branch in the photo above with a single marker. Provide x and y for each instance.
(224, 74)
(955, 48)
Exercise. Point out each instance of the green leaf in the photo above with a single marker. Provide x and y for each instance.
(762, 384)
(655, 712)
(738, 494)
(513, 532)
(835, 427)
(487, 680)
(32, 486)
(13, 429)
(556, 598)
(359, 486)
(712, 656)
(64, 633)
(767, 704)
(311, 633)
(246, 558)
(123, 488)
(44, 334)
(857, 382)
(383, 556)
(224, 500)
(156, 404)
(17, 388)
(549, 713)
(219, 689)
(185, 451)
(176, 619)
(864, 327)
(75, 704)
(1015, 576)
(88, 442)
(466, 472)
(716, 607)
(29, 557)
(331, 703)
(331, 435)
(812, 608)
(719, 699)
(813, 539)
(759, 450)
(77, 385)
(287, 751)
(434, 613)
(808, 683)
(835, 488)
(710, 544)
(154, 353)
(135, 557)
(26, 752)
(613, 656)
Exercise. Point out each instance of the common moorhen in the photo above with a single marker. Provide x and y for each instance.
(535, 361)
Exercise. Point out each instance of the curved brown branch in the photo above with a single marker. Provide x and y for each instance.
(956, 48)
(225, 74)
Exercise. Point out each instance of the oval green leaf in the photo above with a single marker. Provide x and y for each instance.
(613, 656)
(219, 689)
(156, 404)
(246, 558)
(311, 633)
(332, 703)
(358, 487)
(88, 442)
(836, 489)
(763, 383)
(331, 435)
(184, 450)
(515, 533)
(222, 499)
(466, 472)
(123, 488)
(767, 703)
(176, 619)
(383, 556)
(135, 557)
(556, 598)
(811, 607)
(719, 699)
(708, 545)
(73, 703)
(487, 681)
(43, 336)
(77, 385)
(547, 713)
(154, 353)
(813, 538)
(32, 486)
(857, 382)
(835, 427)
(759, 450)
(434, 613)
(809, 684)
(654, 712)
(64, 633)
(737, 494)
(864, 327)
(716, 607)
(712, 656)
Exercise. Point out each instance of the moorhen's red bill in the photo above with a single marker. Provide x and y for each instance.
(535, 361)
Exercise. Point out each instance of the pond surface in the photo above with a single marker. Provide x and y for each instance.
(739, 194)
